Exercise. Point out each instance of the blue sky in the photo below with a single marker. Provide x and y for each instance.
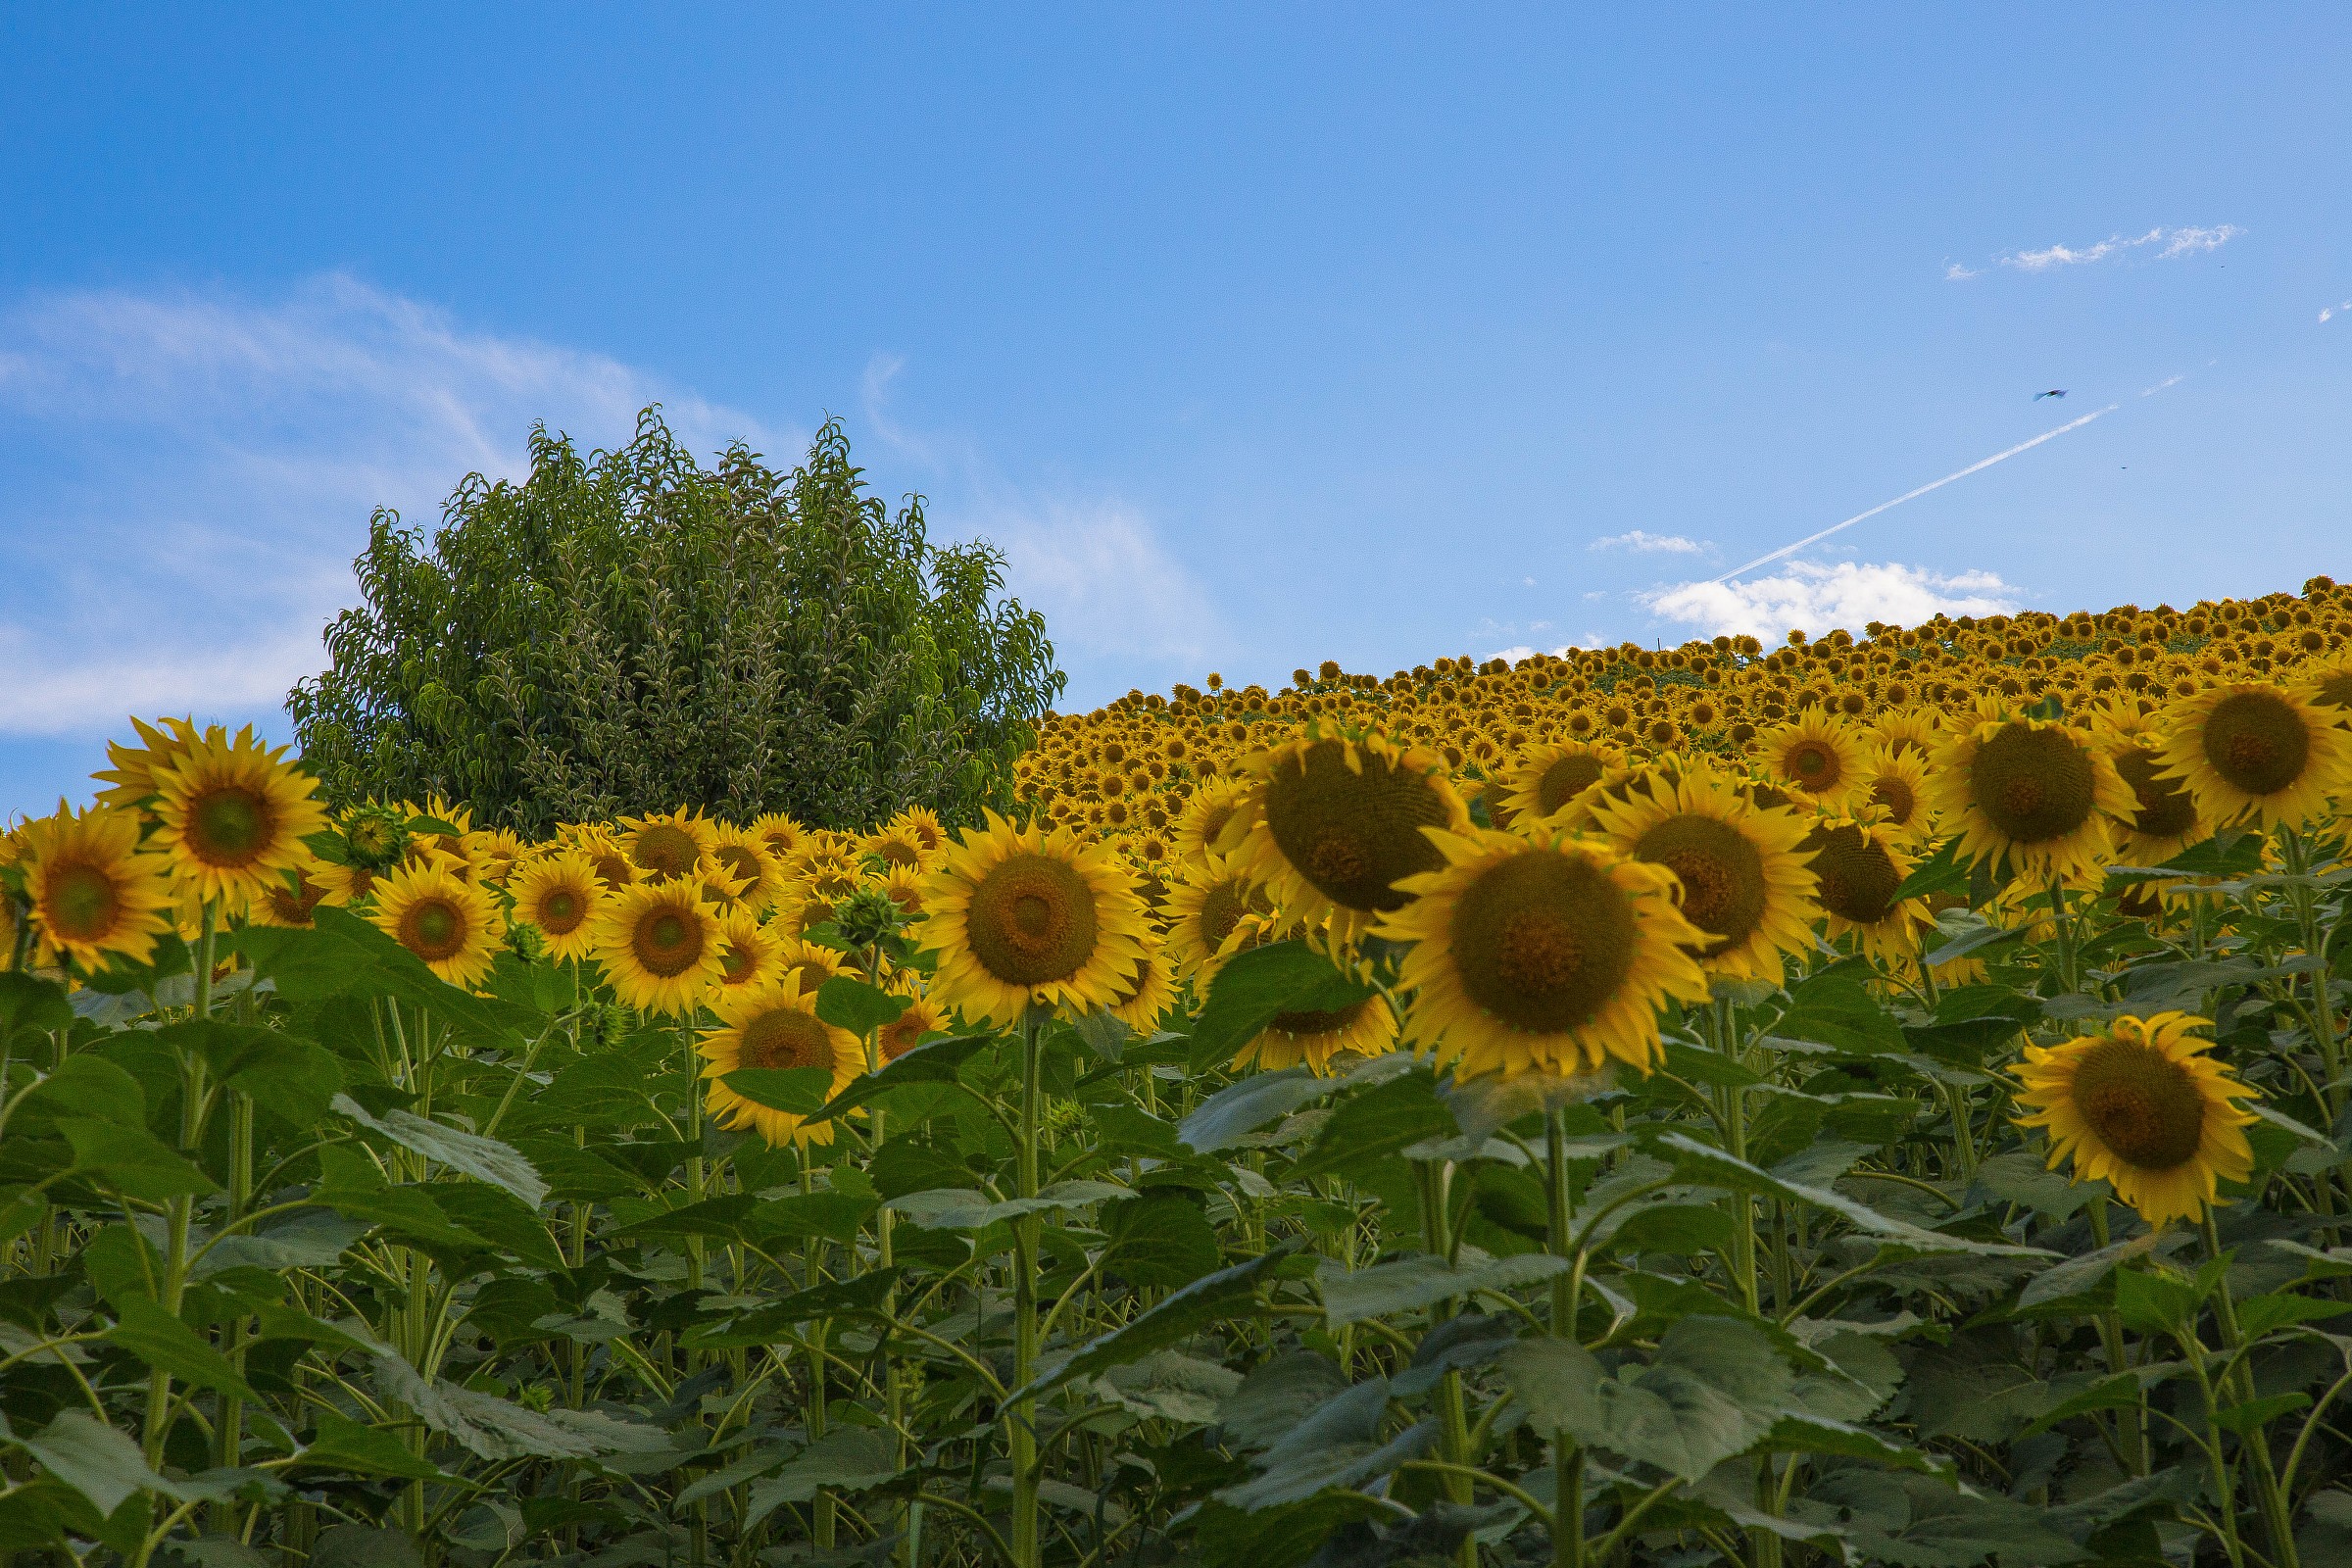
(1255, 335)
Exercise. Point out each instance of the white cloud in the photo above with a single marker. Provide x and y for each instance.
(2330, 311)
(1650, 544)
(1820, 599)
(2170, 243)
(207, 465)
(1954, 273)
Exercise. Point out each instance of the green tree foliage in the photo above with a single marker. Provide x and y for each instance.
(627, 631)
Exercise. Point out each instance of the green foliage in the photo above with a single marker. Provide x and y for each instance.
(629, 631)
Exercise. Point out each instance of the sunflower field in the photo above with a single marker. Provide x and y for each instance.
(1870, 1101)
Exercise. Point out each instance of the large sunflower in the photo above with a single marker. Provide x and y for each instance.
(1739, 868)
(451, 924)
(234, 814)
(1313, 1040)
(1857, 867)
(1020, 917)
(1334, 823)
(2143, 1108)
(93, 890)
(1816, 756)
(2040, 796)
(1894, 781)
(670, 846)
(2166, 820)
(561, 895)
(1205, 915)
(2261, 753)
(661, 947)
(774, 1026)
(1547, 956)
(1545, 778)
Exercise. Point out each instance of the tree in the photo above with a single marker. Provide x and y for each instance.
(628, 632)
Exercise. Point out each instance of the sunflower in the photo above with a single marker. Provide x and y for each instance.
(779, 832)
(1857, 867)
(1915, 730)
(293, 901)
(2035, 794)
(234, 814)
(921, 825)
(748, 952)
(903, 884)
(897, 846)
(774, 1026)
(1313, 1040)
(561, 894)
(614, 868)
(1204, 817)
(2143, 1108)
(1145, 996)
(743, 857)
(1019, 916)
(495, 851)
(1546, 778)
(920, 1022)
(132, 780)
(805, 963)
(1739, 870)
(1206, 913)
(1817, 755)
(670, 846)
(451, 924)
(2166, 820)
(659, 945)
(346, 885)
(1334, 824)
(2265, 752)
(376, 835)
(1542, 957)
(2327, 683)
(1895, 782)
(92, 889)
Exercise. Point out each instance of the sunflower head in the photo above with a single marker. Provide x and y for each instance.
(234, 814)
(1817, 755)
(1206, 913)
(920, 1022)
(1020, 917)
(1739, 871)
(2256, 751)
(2036, 794)
(670, 846)
(1317, 1039)
(376, 836)
(561, 895)
(661, 947)
(2144, 1109)
(1546, 778)
(1859, 867)
(454, 926)
(774, 1026)
(94, 891)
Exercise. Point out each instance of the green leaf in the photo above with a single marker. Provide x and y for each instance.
(1716, 1389)
(2077, 1275)
(1805, 1432)
(1412, 1282)
(2252, 1416)
(847, 1003)
(1939, 872)
(1242, 1106)
(86, 1085)
(483, 1158)
(1228, 1292)
(497, 1429)
(862, 1295)
(345, 1444)
(311, 1239)
(833, 1216)
(966, 1208)
(132, 1161)
(154, 1335)
(850, 1459)
(2023, 1177)
(1256, 986)
(1376, 1126)
(2263, 1313)
(937, 1061)
(96, 1460)
(796, 1090)
(1158, 1241)
(1832, 1011)
(1277, 1395)
(2158, 1302)
(1336, 1445)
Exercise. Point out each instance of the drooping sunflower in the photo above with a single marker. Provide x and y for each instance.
(1021, 916)
(2255, 753)
(920, 1022)
(2144, 1109)
(1817, 755)
(1895, 782)
(346, 884)
(234, 814)
(1205, 911)
(774, 1026)
(748, 952)
(132, 780)
(2166, 820)
(670, 846)
(93, 890)
(1857, 866)
(454, 926)
(561, 894)
(1145, 996)
(660, 946)
(1334, 823)
(1740, 867)
(1534, 955)
(2039, 795)
(1314, 1040)
(1545, 778)
(1204, 817)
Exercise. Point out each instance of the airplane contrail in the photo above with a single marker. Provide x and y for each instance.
(1913, 495)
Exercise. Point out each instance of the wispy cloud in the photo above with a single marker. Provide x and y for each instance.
(1820, 599)
(2159, 243)
(1650, 544)
(1954, 273)
(197, 471)
(2327, 313)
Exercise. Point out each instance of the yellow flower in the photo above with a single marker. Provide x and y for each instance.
(750, 954)
(779, 832)
(805, 963)
(1313, 1040)
(920, 1022)
(93, 890)
(1738, 869)
(1895, 782)
(774, 1026)
(132, 780)
(1816, 757)
(2143, 1108)
(2037, 795)
(659, 945)
(670, 846)
(743, 858)
(294, 900)
(1545, 778)
(1542, 957)
(1145, 996)
(2263, 753)
(451, 924)
(561, 894)
(234, 814)
(2165, 819)
(1206, 913)
(1022, 918)
(1857, 866)
(1204, 817)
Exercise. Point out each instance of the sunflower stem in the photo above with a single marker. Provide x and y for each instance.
(2260, 1475)
(1567, 1457)
(1021, 1416)
(2111, 1336)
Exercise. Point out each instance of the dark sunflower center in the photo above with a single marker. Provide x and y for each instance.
(896, 854)
(1897, 796)
(84, 903)
(561, 912)
(2165, 808)
(668, 942)
(1032, 920)
(786, 1037)
(1320, 1023)
(666, 849)
(901, 1035)
(613, 871)
(1543, 941)
(1213, 823)
(1857, 878)
(734, 964)
(1354, 834)
(2257, 741)
(1564, 780)
(228, 826)
(741, 863)
(2034, 785)
(2143, 1105)
(1722, 874)
(2335, 690)
(434, 929)
(1220, 913)
(1812, 765)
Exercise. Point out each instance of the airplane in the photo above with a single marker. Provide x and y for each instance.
(2054, 392)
